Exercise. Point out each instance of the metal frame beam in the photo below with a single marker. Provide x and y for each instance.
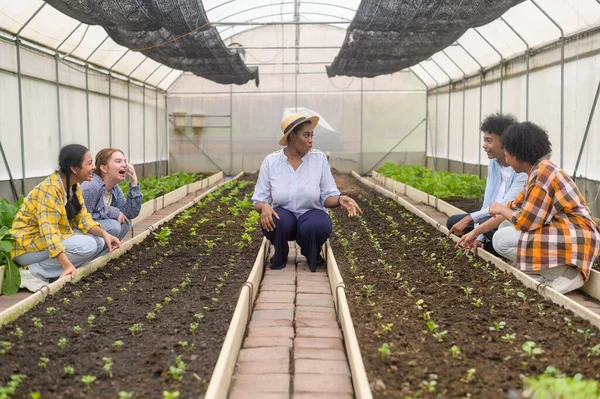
(433, 143)
(501, 67)
(283, 3)
(449, 112)
(464, 89)
(527, 67)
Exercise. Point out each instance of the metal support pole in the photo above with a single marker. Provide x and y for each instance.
(501, 67)
(464, 79)
(20, 93)
(426, 110)
(361, 127)
(10, 176)
(587, 130)
(449, 109)
(58, 101)
(144, 130)
(167, 152)
(397, 144)
(527, 71)
(480, 118)
(297, 43)
(434, 142)
(231, 129)
(156, 131)
(129, 121)
(562, 82)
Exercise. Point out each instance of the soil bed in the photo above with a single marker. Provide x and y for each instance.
(204, 252)
(391, 260)
(468, 205)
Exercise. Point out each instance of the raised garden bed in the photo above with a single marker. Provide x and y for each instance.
(199, 267)
(397, 269)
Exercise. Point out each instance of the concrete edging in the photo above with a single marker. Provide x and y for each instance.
(220, 381)
(525, 279)
(19, 308)
(360, 381)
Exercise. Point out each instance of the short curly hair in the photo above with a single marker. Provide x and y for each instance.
(526, 141)
(497, 123)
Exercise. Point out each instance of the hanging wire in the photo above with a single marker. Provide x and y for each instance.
(80, 40)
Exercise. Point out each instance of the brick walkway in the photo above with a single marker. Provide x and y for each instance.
(294, 345)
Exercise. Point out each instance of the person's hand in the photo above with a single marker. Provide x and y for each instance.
(123, 219)
(266, 217)
(459, 227)
(476, 244)
(466, 241)
(112, 242)
(496, 209)
(350, 205)
(132, 175)
(69, 271)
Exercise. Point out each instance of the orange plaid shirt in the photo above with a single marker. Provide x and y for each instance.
(556, 224)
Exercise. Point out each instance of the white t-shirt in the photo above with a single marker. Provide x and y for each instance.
(107, 198)
(506, 172)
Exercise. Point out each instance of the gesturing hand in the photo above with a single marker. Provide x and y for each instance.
(350, 205)
(459, 227)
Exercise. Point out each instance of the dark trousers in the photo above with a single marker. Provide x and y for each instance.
(452, 220)
(310, 231)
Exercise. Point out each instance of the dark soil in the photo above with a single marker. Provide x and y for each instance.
(412, 264)
(466, 204)
(148, 272)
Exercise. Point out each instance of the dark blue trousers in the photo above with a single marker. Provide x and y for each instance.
(310, 231)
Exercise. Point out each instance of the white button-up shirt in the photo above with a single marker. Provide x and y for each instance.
(297, 191)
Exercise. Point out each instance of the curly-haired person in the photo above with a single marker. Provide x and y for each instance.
(548, 229)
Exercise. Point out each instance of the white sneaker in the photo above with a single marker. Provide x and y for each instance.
(564, 284)
(30, 282)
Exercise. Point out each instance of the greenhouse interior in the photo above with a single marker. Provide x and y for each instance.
(299, 199)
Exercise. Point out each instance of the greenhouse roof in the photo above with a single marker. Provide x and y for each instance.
(530, 24)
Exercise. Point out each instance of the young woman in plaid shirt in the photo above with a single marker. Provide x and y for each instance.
(548, 229)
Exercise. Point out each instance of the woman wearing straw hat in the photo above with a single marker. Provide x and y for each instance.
(294, 187)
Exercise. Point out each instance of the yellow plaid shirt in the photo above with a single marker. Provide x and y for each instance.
(42, 223)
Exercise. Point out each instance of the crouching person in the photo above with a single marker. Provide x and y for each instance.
(548, 229)
(502, 185)
(54, 233)
(104, 198)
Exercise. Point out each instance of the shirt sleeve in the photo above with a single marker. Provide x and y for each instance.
(83, 220)
(517, 187)
(485, 210)
(535, 210)
(49, 215)
(328, 186)
(131, 205)
(262, 190)
(92, 195)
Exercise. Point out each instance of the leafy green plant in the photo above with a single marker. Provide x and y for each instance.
(62, 343)
(135, 328)
(19, 332)
(510, 338)
(193, 328)
(88, 380)
(498, 326)
(12, 277)
(430, 386)
(384, 350)
(5, 347)
(76, 329)
(91, 318)
(176, 372)
(530, 349)
(594, 351)
(108, 363)
(51, 310)
(522, 296)
(455, 352)
(587, 333)
(69, 371)
(125, 395)
(163, 235)
(470, 376)
(37, 323)
(468, 291)
(12, 385)
(118, 345)
(553, 384)
(170, 395)
(43, 362)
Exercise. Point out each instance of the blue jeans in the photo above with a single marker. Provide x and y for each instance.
(79, 248)
(114, 228)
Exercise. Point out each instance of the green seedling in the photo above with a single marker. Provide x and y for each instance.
(43, 362)
(470, 377)
(157, 308)
(176, 372)
(541, 310)
(386, 328)
(108, 363)
(498, 326)
(37, 323)
(429, 385)
(91, 318)
(109, 300)
(369, 289)
(118, 345)
(594, 351)
(76, 329)
(69, 371)
(199, 316)
(170, 395)
(530, 349)
(426, 315)
(419, 305)
(455, 352)
(184, 345)
(5, 347)
(150, 316)
(378, 316)
(123, 290)
(163, 235)
(587, 333)
(125, 395)
(568, 321)
(214, 300)
(62, 343)
(136, 328)
(175, 291)
(432, 326)
(468, 291)
(522, 296)
(384, 351)
(193, 328)
(477, 302)
(19, 332)
(440, 335)
(65, 301)
(102, 309)
(510, 338)
(88, 380)
(167, 300)
(77, 294)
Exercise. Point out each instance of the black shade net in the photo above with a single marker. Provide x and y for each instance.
(387, 36)
(171, 32)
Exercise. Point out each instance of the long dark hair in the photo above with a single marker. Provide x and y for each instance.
(71, 156)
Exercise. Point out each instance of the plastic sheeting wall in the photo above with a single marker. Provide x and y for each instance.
(385, 110)
(581, 78)
(53, 117)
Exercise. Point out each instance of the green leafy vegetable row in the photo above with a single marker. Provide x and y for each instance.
(153, 187)
(440, 184)
(12, 278)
